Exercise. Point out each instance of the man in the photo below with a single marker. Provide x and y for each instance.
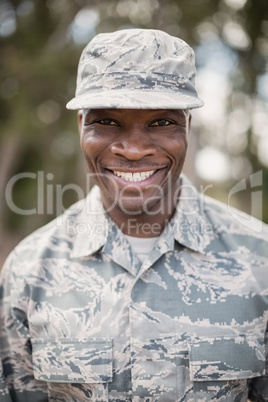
(145, 291)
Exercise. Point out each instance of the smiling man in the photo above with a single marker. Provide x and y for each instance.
(137, 157)
(144, 291)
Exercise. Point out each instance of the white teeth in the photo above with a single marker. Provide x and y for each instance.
(138, 176)
(128, 176)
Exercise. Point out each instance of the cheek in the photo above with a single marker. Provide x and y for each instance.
(177, 148)
(91, 145)
(90, 151)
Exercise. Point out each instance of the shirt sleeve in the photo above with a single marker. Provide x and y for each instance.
(258, 387)
(17, 382)
(4, 392)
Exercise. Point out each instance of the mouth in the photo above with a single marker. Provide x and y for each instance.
(134, 177)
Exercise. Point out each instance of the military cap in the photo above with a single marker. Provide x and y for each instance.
(136, 68)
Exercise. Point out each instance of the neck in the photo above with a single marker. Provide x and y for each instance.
(141, 225)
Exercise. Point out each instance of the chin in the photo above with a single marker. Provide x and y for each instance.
(131, 208)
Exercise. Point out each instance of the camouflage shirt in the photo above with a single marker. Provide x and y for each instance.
(84, 320)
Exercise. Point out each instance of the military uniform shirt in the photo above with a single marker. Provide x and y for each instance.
(82, 319)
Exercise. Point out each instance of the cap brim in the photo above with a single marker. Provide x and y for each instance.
(134, 99)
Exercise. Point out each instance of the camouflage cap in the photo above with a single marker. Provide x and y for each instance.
(138, 69)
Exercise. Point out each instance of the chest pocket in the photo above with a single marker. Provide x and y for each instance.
(73, 360)
(227, 358)
(221, 366)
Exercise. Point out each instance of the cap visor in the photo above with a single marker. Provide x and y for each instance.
(134, 100)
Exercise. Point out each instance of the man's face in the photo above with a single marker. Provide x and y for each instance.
(136, 156)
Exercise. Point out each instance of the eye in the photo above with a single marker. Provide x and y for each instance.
(107, 122)
(103, 122)
(161, 123)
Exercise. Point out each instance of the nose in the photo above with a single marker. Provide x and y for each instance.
(134, 144)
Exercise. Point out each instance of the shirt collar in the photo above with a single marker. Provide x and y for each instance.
(189, 223)
(93, 229)
(90, 227)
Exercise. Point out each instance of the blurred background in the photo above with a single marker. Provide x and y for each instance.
(41, 167)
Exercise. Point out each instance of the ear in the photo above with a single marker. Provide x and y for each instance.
(80, 120)
(189, 121)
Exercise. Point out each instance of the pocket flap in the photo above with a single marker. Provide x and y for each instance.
(226, 358)
(73, 360)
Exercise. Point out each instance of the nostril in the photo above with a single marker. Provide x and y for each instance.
(116, 147)
(132, 150)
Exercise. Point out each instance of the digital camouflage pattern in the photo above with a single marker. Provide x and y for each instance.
(136, 68)
(84, 320)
